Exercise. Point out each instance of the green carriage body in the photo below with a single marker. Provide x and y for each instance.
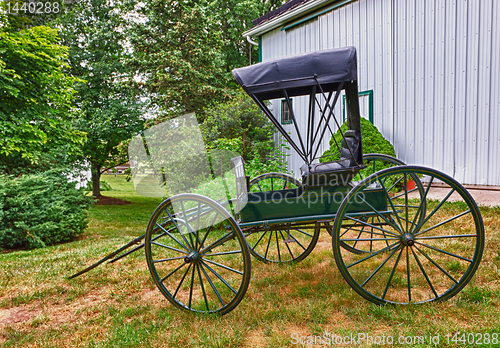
(311, 202)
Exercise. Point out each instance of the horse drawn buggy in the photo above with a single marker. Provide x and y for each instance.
(391, 242)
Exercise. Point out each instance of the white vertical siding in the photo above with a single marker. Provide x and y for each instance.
(494, 112)
(484, 87)
(460, 91)
(449, 92)
(433, 68)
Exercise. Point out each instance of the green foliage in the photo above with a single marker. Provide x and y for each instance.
(186, 50)
(240, 126)
(178, 51)
(110, 113)
(373, 142)
(35, 101)
(40, 210)
(276, 162)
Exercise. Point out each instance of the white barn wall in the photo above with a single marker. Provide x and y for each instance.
(432, 66)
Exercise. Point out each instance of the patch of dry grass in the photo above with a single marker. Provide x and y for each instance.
(118, 305)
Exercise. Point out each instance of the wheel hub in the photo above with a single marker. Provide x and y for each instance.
(192, 257)
(408, 239)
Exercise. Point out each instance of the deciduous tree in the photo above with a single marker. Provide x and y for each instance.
(184, 51)
(110, 113)
(35, 100)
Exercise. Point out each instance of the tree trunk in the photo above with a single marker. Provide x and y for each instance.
(96, 176)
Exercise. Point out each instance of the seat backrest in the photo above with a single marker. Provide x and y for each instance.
(337, 172)
(349, 149)
(241, 179)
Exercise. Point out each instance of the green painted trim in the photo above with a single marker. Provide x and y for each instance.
(307, 218)
(291, 120)
(369, 93)
(260, 49)
(313, 16)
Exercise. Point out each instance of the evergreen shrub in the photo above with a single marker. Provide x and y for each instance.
(373, 142)
(39, 210)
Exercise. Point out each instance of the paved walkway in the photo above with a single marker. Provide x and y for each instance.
(482, 197)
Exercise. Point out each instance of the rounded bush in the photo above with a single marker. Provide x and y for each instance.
(373, 142)
(40, 210)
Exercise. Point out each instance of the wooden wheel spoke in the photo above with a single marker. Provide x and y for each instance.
(374, 226)
(169, 259)
(209, 229)
(423, 201)
(218, 242)
(435, 264)
(222, 266)
(372, 255)
(443, 251)
(188, 227)
(260, 188)
(435, 209)
(171, 236)
(424, 273)
(392, 273)
(219, 276)
(378, 268)
(284, 185)
(178, 229)
(182, 280)
(175, 270)
(296, 241)
(367, 239)
(263, 234)
(169, 247)
(278, 246)
(304, 233)
(212, 284)
(408, 273)
(202, 287)
(268, 243)
(400, 226)
(287, 245)
(191, 287)
(224, 253)
(442, 223)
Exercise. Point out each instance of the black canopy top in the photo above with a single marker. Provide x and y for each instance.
(298, 73)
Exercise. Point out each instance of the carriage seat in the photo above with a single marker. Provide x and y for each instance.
(335, 173)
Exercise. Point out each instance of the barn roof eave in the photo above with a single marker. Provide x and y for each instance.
(286, 17)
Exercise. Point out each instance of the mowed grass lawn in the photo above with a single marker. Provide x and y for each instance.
(117, 305)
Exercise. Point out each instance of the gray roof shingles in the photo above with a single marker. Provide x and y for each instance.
(279, 11)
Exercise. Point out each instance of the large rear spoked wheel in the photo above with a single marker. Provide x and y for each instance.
(375, 162)
(421, 250)
(197, 255)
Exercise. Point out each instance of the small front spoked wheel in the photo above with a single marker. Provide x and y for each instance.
(197, 255)
(418, 249)
(283, 244)
(272, 182)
